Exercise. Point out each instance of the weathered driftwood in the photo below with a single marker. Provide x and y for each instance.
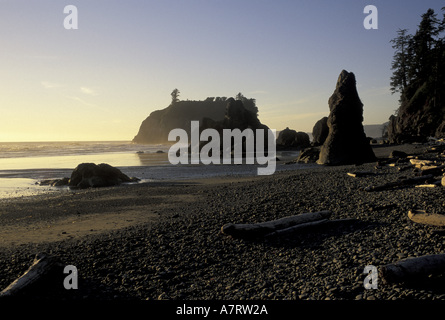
(42, 265)
(421, 162)
(430, 185)
(432, 219)
(436, 170)
(361, 173)
(257, 230)
(401, 183)
(412, 268)
(301, 226)
(307, 226)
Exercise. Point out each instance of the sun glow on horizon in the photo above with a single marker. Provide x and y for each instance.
(100, 81)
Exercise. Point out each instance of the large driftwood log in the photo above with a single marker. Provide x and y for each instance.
(42, 265)
(432, 219)
(301, 226)
(434, 170)
(308, 226)
(412, 268)
(419, 163)
(401, 183)
(257, 230)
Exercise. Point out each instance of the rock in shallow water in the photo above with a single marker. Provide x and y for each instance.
(87, 175)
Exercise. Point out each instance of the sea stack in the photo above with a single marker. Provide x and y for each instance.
(346, 142)
(320, 131)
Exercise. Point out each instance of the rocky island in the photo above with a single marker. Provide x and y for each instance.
(179, 114)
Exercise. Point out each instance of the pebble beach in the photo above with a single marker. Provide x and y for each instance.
(163, 240)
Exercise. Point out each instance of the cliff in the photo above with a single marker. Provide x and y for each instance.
(179, 114)
(156, 127)
(420, 115)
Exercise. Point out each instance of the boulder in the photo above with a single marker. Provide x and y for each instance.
(320, 131)
(55, 182)
(291, 139)
(346, 142)
(308, 155)
(90, 175)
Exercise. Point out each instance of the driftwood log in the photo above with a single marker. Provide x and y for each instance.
(434, 170)
(361, 173)
(401, 183)
(42, 265)
(413, 268)
(432, 219)
(308, 226)
(419, 163)
(258, 230)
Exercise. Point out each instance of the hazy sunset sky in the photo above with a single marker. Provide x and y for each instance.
(100, 81)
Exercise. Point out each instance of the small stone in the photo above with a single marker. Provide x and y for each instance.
(401, 255)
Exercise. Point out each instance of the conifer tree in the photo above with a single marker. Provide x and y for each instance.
(401, 61)
(175, 95)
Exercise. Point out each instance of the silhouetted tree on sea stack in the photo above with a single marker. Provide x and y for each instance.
(249, 104)
(175, 95)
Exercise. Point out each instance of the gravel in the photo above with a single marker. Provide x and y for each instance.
(183, 256)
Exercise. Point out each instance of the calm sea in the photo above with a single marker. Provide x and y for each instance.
(24, 164)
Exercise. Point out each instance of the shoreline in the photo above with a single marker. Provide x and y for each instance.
(24, 182)
(162, 240)
(20, 182)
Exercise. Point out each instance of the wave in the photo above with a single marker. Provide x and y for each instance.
(47, 149)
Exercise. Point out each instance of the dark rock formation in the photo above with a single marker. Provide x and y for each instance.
(236, 117)
(55, 182)
(87, 175)
(320, 131)
(346, 142)
(291, 139)
(308, 155)
(156, 127)
(418, 117)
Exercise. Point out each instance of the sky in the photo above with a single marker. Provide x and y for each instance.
(99, 81)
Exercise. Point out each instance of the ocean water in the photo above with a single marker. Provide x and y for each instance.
(24, 164)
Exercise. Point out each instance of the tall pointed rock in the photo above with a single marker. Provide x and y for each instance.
(346, 142)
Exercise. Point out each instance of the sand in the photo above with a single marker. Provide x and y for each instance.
(53, 217)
